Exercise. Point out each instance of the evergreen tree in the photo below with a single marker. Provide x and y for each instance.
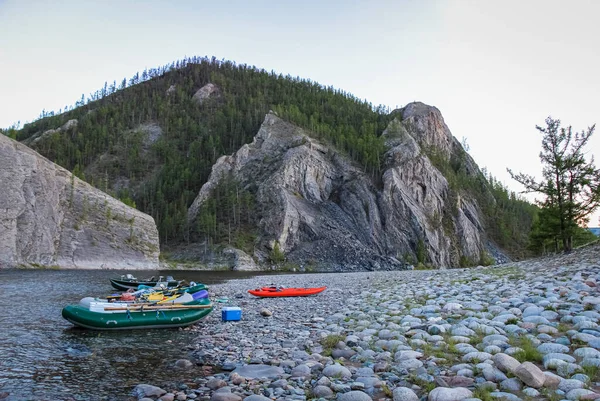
(571, 185)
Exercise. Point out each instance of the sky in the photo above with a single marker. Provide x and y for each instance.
(495, 69)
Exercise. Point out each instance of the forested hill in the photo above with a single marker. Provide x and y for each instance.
(151, 140)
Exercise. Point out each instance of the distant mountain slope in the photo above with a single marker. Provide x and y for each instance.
(153, 144)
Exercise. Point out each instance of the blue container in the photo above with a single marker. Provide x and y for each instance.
(231, 313)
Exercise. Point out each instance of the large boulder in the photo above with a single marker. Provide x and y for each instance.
(52, 218)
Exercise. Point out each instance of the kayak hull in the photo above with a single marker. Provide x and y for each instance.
(273, 292)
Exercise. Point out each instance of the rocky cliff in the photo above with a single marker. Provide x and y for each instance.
(322, 210)
(48, 217)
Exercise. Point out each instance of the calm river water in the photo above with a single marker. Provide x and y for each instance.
(44, 357)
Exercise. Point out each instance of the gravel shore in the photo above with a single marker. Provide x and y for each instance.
(520, 331)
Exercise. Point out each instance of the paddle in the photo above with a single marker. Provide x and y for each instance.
(158, 307)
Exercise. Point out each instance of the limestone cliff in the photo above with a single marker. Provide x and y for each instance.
(48, 217)
(323, 210)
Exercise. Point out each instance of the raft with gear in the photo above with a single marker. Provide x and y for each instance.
(100, 314)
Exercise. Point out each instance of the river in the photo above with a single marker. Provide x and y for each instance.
(44, 357)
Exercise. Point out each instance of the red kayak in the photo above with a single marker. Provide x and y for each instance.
(286, 292)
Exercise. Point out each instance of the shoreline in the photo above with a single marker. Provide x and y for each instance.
(442, 335)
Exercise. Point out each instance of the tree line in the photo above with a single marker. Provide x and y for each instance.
(111, 148)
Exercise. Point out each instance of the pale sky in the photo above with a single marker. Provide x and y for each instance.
(495, 69)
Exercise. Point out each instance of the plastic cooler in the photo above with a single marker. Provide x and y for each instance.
(229, 313)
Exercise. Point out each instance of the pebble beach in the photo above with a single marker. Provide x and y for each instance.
(520, 331)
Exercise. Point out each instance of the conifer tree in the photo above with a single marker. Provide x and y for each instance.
(570, 184)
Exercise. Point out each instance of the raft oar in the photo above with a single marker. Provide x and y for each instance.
(155, 307)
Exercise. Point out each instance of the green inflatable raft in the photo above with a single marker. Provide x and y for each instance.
(121, 316)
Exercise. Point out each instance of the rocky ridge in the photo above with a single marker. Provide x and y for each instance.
(527, 331)
(324, 211)
(40, 136)
(52, 218)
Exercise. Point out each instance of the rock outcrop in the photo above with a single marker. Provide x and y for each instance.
(34, 139)
(204, 93)
(321, 209)
(51, 218)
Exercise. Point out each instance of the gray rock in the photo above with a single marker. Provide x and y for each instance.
(591, 300)
(532, 311)
(505, 363)
(258, 371)
(586, 352)
(493, 374)
(554, 363)
(548, 348)
(504, 396)
(256, 397)
(492, 349)
(225, 396)
(512, 384)
(365, 372)
(409, 364)
(322, 392)
(336, 371)
(301, 371)
(577, 393)
(239, 260)
(402, 355)
(589, 362)
(436, 329)
(581, 377)
(567, 385)
(567, 369)
(476, 357)
(531, 392)
(551, 380)
(216, 383)
(536, 320)
(281, 383)
(183, 364)
(147, 390)
(352, 340)
(562, 357)
(354, 396)
(449, 394)
(357, 385)
(340, 387)
(530, 374)
(345, 353)
(404, 394)
(462, 331)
